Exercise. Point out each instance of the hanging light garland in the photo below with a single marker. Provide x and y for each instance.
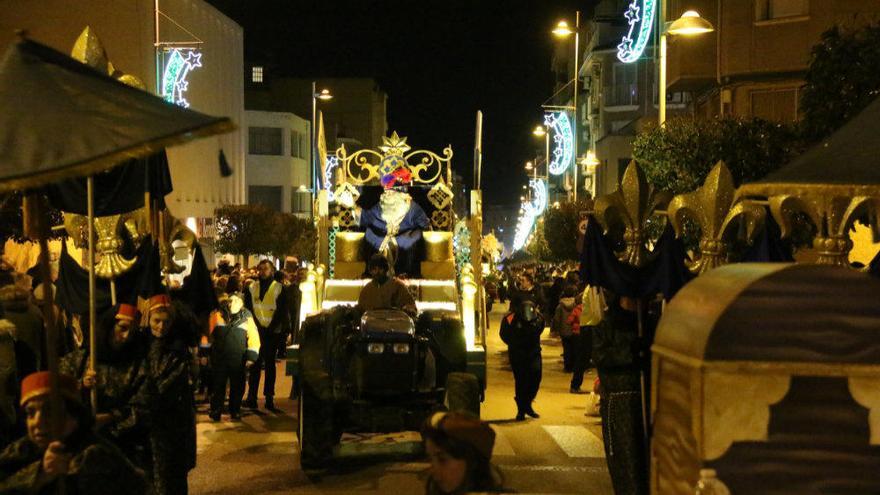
(563, 139)
(629, 50)
(174, 78)
(529, 212)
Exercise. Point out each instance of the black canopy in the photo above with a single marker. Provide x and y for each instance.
(60, 119)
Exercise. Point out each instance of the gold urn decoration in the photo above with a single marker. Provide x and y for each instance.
(111, 263)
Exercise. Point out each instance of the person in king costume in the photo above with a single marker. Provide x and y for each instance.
(393, 227)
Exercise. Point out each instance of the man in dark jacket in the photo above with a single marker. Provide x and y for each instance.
(521, 331)
(266, 302)
(235, 346)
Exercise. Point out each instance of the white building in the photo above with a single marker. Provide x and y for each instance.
(128, 30)
(278, 158)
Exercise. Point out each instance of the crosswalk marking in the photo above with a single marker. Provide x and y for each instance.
(502, 444)
(576, 441)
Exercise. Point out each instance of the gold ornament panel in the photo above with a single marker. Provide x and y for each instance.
(367, 166)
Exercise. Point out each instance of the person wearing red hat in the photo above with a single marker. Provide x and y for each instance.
(171, 406)
(459, 447)
(120, 380)
(77, 459)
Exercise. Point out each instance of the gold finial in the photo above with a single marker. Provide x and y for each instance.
(395, 145)
(712, 206)
(632, 203)
(89, 50)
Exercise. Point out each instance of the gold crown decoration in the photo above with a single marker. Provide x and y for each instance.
(368, 166)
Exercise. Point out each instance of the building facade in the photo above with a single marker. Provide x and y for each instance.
(357, 114)
(139, 41)
(753, 65)
(278, 161)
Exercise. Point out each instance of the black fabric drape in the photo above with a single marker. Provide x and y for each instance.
(142, 280)
(600, 266)
(116, 191)
(769, 246)
(198, 287)
(665, 273)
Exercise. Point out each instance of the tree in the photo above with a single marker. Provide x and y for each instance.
(678, 156)
(537, 245)
(293, 236)
(561, 230)
(842, 79)
(244, 229)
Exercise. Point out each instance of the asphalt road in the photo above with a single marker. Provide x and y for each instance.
(559, 453)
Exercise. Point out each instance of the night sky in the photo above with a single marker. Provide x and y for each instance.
(439, 62)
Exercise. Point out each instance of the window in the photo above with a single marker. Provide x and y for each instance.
(269, 196)
(300, 201)
(777, 9)
(624, 85)
(297, 144)
(264, 141)
(257, 74)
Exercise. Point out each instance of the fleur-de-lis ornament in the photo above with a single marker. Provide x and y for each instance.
(632, 204)
(713, 207)
(832, 214)
(111, 264)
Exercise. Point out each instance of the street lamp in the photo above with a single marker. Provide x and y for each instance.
(563, 31)
(689, 24)
(323, 95)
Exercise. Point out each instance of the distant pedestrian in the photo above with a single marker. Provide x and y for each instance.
(521, 331)
(235, 346)
(563, 327)
(584, 321)
(459, 448)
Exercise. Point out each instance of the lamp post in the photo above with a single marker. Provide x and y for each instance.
(563, 31)
(689, 24)
(323, 95)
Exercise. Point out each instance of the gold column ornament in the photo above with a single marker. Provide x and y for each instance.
(112, 264)
(713, 207)
(632, 203)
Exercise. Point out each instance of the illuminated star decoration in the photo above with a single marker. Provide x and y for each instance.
(631, 47)
(332, 163)
(529, 212)
(177, 69)
(563, 139)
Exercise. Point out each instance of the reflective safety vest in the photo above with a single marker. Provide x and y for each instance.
(264, 309)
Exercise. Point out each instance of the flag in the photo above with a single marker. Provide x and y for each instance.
(321, 144)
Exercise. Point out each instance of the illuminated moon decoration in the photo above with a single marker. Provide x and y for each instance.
(562, 139)
(629, 50)
(531, 211)
(177, 69)
(332, 163)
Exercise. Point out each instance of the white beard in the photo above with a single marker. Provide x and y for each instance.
(394, 205)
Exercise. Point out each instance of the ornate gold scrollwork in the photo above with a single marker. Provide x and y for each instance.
(632, 203)
(136, 224)
(713, 208)
(366, 165)
(175, 230)
(111, 264)
(77, 227)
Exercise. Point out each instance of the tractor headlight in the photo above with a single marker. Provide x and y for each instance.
(401, 348)
(375, 348)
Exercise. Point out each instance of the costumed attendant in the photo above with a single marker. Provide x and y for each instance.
(459, 448)
(77, 462)
(235, 346)
(120, 378)
(172, 412)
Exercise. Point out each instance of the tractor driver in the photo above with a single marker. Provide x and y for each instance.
(384, 292)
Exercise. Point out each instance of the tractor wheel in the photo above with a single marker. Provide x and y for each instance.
(317, 433)
(463, 393)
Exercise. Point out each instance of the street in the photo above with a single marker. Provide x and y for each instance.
(559, 453)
